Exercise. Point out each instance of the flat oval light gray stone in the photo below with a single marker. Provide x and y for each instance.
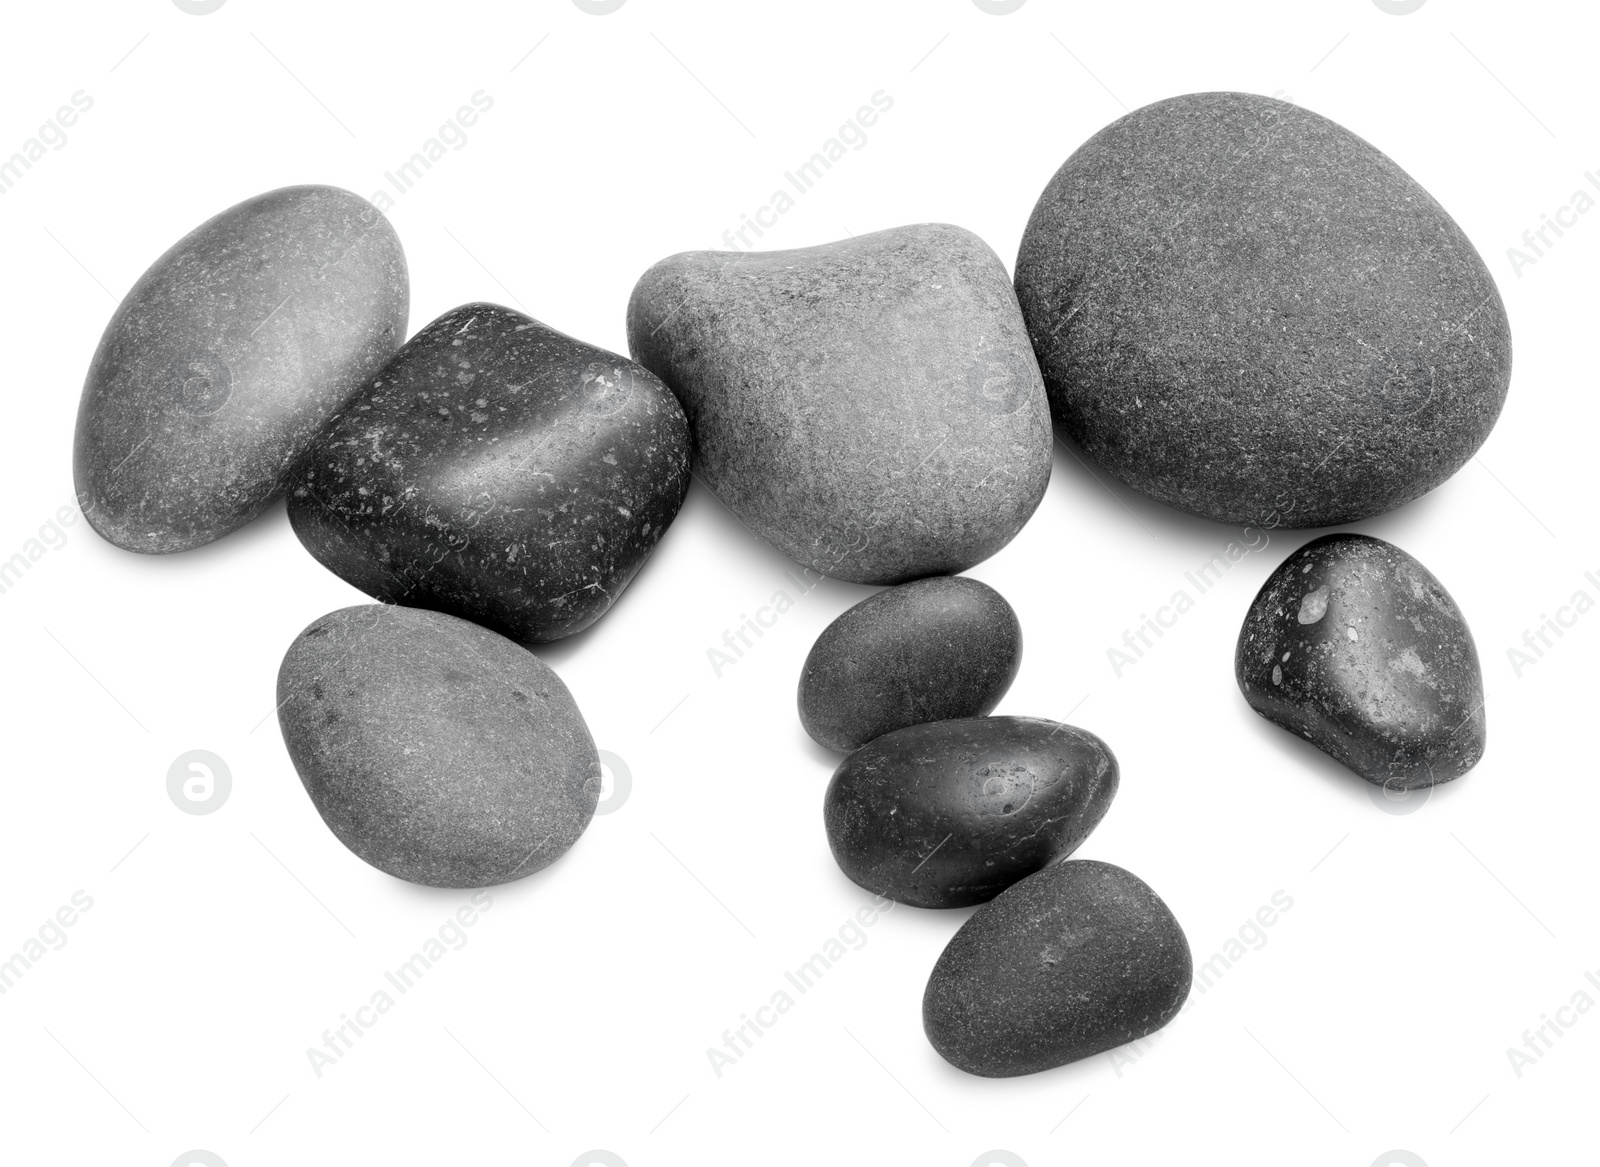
(1078, 959)
(871, 407)
(1244, 310)
(498, 470)
(227, 357)
(948, 814)
(930, 650)
(436, 750)
(1356, 647)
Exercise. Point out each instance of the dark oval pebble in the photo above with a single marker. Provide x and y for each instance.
(1248, 312)
(438, 751)
(931, 650)
(948, 814)
(228, 356)
(1355, 646)
(498, 470)
(1078, 959)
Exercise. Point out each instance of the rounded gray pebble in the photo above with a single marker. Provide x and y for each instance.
(1244, 310)
(1356, 647)
(951, 813)
(498, 470)
(871, 407)
(1078, 959)
(931, 650)
(436, 750)
(225, 360)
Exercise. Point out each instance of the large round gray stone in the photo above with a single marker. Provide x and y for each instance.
(227, 357)
(436, 750)
(871, 407)
(1246, 311)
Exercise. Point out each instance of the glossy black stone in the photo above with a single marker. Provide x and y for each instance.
(498, 470)
(1248, 312)
(1073, 961)
(226, 359)
(436, 750)
(948, 814)
(1356, 647)
(932, 650)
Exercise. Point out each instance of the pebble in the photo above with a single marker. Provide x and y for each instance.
(228, 356)
(948, 814)
(1078, 959)
(931, 650)
(1244, 310)
(436, 750)
(1356, 647)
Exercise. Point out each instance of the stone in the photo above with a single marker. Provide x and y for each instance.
(228, 356)
(497, 470)
(436, 750)
(948, 814)
(1247, 312)
(1356, 647)
(871, 407)
(931, 650)
(1071, 962)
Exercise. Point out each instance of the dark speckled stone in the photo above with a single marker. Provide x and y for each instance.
(227, 357)
(1078, 959)
(925, 651)
(951, 813)
(498, 470)
(870, 407)
(437, 751)
(1246, 311)
(1355, 646)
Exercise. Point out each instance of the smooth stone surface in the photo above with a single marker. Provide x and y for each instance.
(871, 407)
(951, 813)
(1247, 312)
(931, 650)
(436, 750)
(1078, 959)
(498, 470)
(1355, 646)
(227, 357)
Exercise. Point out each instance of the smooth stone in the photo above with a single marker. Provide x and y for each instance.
(228, 356)
(1078, 959)
(436, 750)
(1356, 647)
(871, 407)
(498, 470)
(948, 814)
(930, 650)
(1249, 313)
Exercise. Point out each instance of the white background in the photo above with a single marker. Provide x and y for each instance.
(1420, 945)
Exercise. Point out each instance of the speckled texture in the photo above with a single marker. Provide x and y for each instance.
(871, 407)
(498, 470)
(1078, 959)
(227, 357)
(951, 813)
(931, 650)
(438, 751)
(1355, 646)
(1246, 311)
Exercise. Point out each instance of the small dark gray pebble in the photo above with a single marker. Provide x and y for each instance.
(436, 750)
(497, 470)
(948, 814)
(225, 360)
(871, 407)
(1078, 959)
(1356, 647)
(925, 651)
(1248, 312)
